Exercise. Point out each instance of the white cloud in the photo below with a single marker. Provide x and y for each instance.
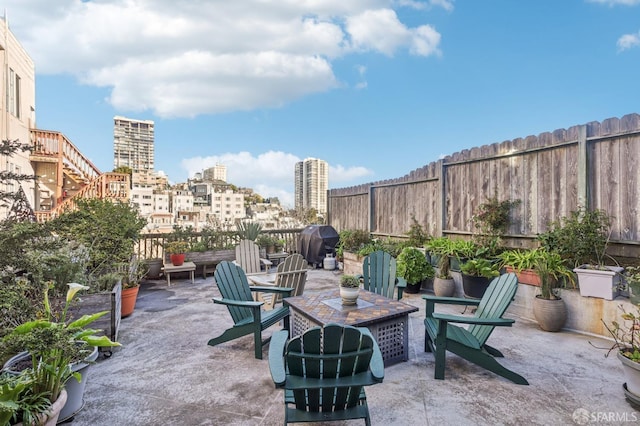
(274, 167)
(185, 58)
(628, 41)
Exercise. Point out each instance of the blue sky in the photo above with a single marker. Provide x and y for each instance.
(377, 88)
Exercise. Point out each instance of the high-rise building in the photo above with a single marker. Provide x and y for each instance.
(311, 184)
(133, 148)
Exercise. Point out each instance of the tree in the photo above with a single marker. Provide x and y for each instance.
(8, 148)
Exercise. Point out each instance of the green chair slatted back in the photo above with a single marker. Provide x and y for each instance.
(379, 274)
(494, 304)
(247, 314)
(233, 285)
(446, 332)
(324, 371)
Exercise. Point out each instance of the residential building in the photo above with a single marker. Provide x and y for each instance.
(17, 113)
(133, 142)
(217, 172)
(311, 185)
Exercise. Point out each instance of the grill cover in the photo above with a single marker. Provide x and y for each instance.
(316, 241)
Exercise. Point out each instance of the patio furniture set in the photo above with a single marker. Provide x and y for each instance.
(310, 358)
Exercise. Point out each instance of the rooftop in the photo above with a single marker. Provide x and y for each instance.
(165, 373)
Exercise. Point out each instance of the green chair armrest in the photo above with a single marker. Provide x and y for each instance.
(471, 320)
(276, 357)
(271, 289)
(243, 303)
(401, 282)
(451, 300)
(376, 366)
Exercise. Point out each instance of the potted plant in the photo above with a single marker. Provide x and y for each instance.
(267, 242)
(349, 289)
(440, 249)
(477, 275)
(413, 266)
(582, 238)
(19, 402)
(549, 309)
(626, 336)
(131, 275)
(522, 263)
(53, 345)
(176, 250)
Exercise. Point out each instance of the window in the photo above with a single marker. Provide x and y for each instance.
(13, 94)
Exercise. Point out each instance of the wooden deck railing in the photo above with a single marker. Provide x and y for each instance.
(55, 144)
(113, 186)
(150, 246)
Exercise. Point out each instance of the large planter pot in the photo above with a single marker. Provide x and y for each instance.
(155, 268)
(129, 297)
(74, 395)
(526, 276)
(412, 288)
(602, 283)
(177, 259)
(349, 295)
(474, 287)
(551, 314)
(75, 389)
(444, 287)
(631, 371)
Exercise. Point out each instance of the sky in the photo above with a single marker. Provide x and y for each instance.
(376, 88)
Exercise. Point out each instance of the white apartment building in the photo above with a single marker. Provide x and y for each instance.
(311, 185)
(17, 109)
(133, 142)
(217, 172)
(227, 206)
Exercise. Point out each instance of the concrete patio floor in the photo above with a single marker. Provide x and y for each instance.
(166, 374)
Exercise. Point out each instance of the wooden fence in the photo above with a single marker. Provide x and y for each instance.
(593, 165)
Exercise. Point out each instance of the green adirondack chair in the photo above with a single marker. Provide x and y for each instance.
(443, 334)
(323, 372)
(379, 275)
(247, 314)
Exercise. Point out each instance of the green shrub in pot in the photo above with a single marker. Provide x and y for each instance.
(412, 265)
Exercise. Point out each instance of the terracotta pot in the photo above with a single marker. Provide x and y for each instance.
(551, 314)
(526, 276)
(177, 259)
(129, 297)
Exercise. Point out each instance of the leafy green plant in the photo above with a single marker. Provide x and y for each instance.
(109, 231)
(412, 265)
(265, 240)
(417, 235)
(632, 278)
(18, 402)
(249, 230)
(176, 247)
(521, 259)
(491, 220)
(349, 281)
(581, 238)
(553, 273)
(480, 268)
(626, 335)
(54, 344)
